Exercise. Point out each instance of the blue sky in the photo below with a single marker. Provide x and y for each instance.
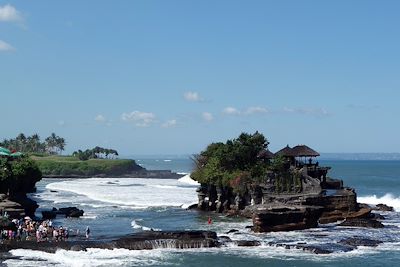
(169, 77)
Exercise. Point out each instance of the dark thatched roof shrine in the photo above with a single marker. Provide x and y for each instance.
(285, 152)
(303, 151)
(266, 154)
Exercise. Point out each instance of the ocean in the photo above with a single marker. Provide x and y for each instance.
(119, 206)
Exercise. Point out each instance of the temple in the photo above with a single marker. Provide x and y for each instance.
(295, 193)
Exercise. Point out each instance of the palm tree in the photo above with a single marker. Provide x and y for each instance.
(21, 142)
(35, 138)
(51, 143)
(60, 144)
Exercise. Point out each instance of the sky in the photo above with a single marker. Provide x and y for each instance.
(170, 77)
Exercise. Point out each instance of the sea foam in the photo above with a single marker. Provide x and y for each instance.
(188, 180)
(91, 257)
(387, 199)
(132, 192)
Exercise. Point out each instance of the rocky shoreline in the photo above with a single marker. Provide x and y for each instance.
(181, 240)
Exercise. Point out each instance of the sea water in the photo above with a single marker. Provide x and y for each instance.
(119, 206)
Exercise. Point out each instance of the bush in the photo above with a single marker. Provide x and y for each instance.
(18, 175)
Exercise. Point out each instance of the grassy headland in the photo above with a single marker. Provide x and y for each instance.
(69, 166)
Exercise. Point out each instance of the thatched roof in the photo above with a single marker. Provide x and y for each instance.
(286, 152)
(303, 151)
(266, 154)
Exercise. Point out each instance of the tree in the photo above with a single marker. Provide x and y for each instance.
(220, 163)
(60, 144)
(96, 152)
(55, 144)
(20, 142)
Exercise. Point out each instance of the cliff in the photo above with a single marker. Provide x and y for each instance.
(317, 200)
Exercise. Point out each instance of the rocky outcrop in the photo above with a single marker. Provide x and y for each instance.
(383, 207)
(17, 206)
(140, 241)
(354, 242)
(67, 212)
(13, 209)
(162, 239)
(361, 222)
(286, 218)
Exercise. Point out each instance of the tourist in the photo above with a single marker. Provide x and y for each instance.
(87, 232)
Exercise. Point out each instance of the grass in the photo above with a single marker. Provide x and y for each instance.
(71, 166)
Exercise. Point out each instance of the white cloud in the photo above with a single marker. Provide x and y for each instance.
(207, 116)
(231, 111)
(319, 112)
(100, 118)
(141, 119)
(9, 13)
(192, 97)
(5, 46)
(255, 110)
(169, 123)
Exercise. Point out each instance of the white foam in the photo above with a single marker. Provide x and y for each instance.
(91, 257)
(387, 199)
(131, 192)
(137, 226)
(188, 180)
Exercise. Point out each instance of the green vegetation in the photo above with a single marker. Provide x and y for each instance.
(73, 166)
(18, 175)
(238, 164)
(32, 144)
(95, 153)
(233, 163)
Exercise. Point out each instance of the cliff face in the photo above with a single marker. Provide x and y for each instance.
(18, 177)
(320, 201)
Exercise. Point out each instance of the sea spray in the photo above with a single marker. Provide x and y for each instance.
(387, 199)
(188, 180)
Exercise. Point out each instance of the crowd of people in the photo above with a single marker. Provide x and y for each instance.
(28, 229)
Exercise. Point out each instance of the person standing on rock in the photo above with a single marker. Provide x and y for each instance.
(87, 232)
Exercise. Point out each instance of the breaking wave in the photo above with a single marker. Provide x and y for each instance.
(387, 199)
(132, 192)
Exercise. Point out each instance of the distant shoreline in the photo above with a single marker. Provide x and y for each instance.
(360, 156)
(148, 174)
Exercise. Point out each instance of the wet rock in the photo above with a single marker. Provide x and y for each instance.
(362, 222)
(140, 241)
(286, 218)
(248, 243)
(359, 241)
(383, 207)
(232, 231)
(377, 216)
(48, 214)
(224, 239)
(70, 212)
(163, 239)
(193, 207)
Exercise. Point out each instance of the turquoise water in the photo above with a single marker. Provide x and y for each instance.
(368, 177)
(116, 207)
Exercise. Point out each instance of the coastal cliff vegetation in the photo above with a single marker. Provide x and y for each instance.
(46, 157)
(73, 166)
(18, 175)
(240, 162)
(232, 163)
